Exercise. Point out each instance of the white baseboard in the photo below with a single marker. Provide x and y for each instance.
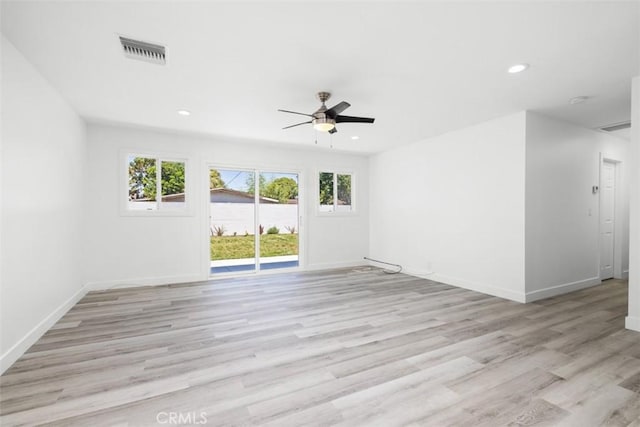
(632, 323)
(169, 280)
(479, 287)
(332, 265)
(552, 291)
(143, 281)
(19, 348)
(417, 272)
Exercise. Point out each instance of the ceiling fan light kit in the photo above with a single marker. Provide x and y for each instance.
(323, 124)
(324, 119)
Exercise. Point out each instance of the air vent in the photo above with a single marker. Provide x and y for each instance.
(616, 127)
(143, 51)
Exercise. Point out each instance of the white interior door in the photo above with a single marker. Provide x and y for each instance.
(607, 218)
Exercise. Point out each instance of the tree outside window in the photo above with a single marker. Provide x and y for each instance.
(340, 184)
(146, 180)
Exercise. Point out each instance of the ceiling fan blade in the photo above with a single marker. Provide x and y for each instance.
(297, 124)
(334, 130)
(295, 112)
(337, 109)
(351, 119)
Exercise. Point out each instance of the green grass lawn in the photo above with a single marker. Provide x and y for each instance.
(234, 247)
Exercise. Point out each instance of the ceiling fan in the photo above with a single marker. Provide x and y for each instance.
(325, 119)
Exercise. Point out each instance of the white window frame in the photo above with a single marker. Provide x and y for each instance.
(335, 173)
(162, 209)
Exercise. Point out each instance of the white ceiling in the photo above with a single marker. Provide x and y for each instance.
(420, 68)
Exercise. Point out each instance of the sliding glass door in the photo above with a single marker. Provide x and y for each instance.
(232, 221)
(253, 220)
(278, 213)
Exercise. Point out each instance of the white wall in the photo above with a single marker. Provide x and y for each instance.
(562, 223)
(143, 250)
(462, 199)
(43, 160)
(633, 319)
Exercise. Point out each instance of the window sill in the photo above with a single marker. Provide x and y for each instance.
(153, 213)
(336, 214)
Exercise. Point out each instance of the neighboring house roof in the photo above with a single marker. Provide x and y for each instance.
(229, 195)
(179, 197)
(218, 195)
(222, 195)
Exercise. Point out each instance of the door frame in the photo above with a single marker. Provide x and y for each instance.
(206, 223)
(618, 236)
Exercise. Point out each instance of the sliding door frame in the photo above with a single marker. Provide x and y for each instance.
(206, 226)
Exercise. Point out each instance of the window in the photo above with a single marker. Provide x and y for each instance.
(335, 192)
(149, 177)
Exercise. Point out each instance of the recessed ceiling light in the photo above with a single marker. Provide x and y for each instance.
(355, 137)
(184, 112)
(578, 100)
(518, 68)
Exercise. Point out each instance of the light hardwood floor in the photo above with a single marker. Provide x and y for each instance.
(341, 347)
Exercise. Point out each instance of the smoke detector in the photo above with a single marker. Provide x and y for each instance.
(143, 51)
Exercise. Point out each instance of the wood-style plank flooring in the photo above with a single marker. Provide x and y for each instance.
(349, 347)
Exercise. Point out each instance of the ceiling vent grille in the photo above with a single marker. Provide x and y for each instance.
(143, 51)
(616, 127)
